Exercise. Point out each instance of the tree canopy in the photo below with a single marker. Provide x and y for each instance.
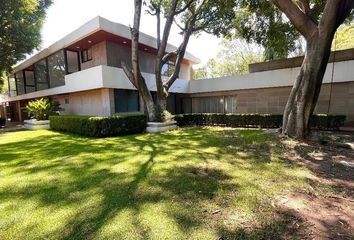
(20, 25)
(232, 59)
(261, 22)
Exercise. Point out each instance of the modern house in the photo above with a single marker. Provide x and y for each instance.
(83, 73)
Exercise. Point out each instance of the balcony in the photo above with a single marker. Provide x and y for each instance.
(99, 77)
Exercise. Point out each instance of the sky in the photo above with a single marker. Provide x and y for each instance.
(64, 16)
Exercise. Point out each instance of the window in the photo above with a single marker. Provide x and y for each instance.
(220, 104)
(230, 104)
(30, 82)
(167, 69)
(12, 87)
(72, 61)
(126, 101)
(20, 83)
(56, 69)
(86, 55)
(41, 74)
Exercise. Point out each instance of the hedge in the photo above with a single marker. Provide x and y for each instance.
(323, 122)
(2, 122)
(99, 126)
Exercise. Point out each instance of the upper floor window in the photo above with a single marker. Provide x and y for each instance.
(167, 69)
(86, 55)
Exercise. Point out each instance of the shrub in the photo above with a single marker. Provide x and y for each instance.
(2, 122)
(99, 126)
(255, 120)
(41, 109)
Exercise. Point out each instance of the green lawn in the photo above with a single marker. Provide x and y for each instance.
(196, 183)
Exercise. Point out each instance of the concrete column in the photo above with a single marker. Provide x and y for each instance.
(107, 102)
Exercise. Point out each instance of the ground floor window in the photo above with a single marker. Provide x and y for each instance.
(219, 104)
(126, 101)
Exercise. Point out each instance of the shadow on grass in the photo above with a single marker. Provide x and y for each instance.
(79, 167)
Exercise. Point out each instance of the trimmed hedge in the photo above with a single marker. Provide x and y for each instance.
(99, 126)
(328, 122)
(2, 122)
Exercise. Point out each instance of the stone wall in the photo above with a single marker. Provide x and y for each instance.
(273, 100)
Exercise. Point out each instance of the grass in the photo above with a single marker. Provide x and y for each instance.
(194, 183)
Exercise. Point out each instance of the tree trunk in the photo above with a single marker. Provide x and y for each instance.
(304, 94)
(134, 74)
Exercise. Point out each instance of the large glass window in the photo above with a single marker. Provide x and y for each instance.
(41, 73)
(20, 83)
(126, 101)
(30, 82)
(230, 104)
(12, 87)
(56, 68)
(218, 104)
(72, 61)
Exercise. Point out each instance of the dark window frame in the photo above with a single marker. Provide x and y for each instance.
(66, 61)
(85, 56)
(47, 74)
(127, 90)
(25, 80)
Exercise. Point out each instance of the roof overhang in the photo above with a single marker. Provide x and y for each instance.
(94, 31)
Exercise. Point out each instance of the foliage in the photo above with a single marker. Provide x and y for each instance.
(146, 186)
(321, 121)
(4, 88)
(20, 21)
(344, 37)
(41, 109)
(260, 22)
(232, 59)
(2, 122)
(99, 126)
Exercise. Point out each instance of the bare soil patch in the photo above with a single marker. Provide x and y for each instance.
(327, 210)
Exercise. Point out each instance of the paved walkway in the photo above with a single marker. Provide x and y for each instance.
(12, 126)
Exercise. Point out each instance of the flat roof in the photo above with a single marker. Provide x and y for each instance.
(97, 24)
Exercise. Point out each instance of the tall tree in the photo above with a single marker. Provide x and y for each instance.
(192, 17)
(20, 25)
(278, 25)
(318, 30)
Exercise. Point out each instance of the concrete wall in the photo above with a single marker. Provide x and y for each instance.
(94, 103)
(273, 100)
(99, 56)
(117, 53)
(337, 56)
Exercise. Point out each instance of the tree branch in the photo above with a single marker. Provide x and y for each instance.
(128, 71)
(303, 23)
(169, 56)
(185, 7)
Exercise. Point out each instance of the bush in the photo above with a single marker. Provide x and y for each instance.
(2, 122)
(99, 126)
(329, 122)
(41, 109)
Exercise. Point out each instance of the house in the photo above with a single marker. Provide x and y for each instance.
(83, 73)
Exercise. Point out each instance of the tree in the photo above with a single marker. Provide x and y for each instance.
(285, 22)
(20, 24)
(192, 17)
(318, 31)
(232, 59)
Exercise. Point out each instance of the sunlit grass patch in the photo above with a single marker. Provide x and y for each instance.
(199, 183)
